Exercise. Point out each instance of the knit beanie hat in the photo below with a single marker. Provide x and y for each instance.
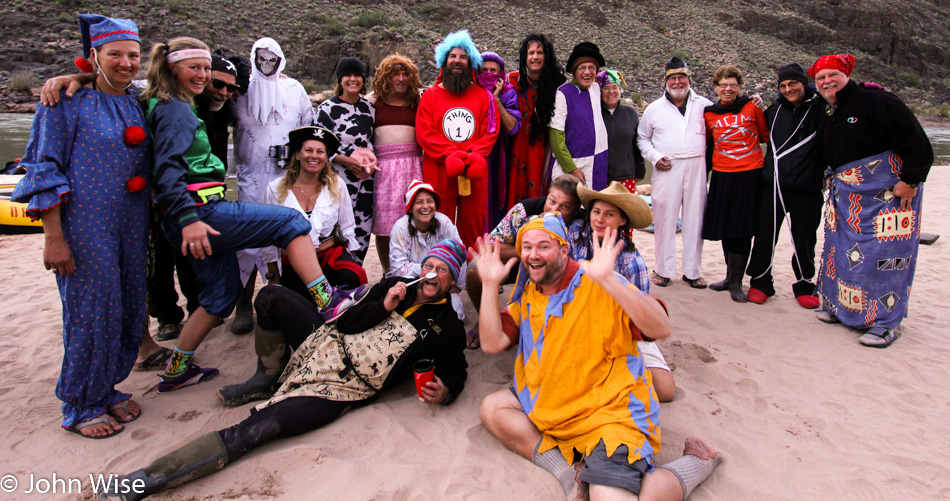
(452, 252)
(792, 71)
(349, 66)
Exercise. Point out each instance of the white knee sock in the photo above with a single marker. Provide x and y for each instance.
(697, 463)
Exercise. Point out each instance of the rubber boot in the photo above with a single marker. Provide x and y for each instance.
(735, 271)
(244, 311)
(722, 285)
(272, 357)
(200, 457)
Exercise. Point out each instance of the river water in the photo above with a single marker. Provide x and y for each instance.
(15, 130)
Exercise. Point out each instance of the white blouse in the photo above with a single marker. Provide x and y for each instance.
(325, 215)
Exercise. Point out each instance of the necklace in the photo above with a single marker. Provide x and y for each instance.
(301, 190)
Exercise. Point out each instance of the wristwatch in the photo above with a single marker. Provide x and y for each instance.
(270, 275)
(912, 185)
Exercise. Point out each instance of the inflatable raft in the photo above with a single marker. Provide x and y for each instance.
(13, 218)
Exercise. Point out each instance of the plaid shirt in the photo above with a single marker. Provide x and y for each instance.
(630, 263)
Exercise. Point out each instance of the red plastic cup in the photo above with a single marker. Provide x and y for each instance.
(424, 371)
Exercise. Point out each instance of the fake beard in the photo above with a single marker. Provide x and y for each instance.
(456, 83)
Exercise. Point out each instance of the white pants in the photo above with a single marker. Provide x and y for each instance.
(684, 185)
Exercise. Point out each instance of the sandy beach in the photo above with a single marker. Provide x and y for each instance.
(798, 407)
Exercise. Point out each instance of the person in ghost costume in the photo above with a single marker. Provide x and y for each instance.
(271, 108)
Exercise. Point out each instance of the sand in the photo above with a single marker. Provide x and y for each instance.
(798, 407)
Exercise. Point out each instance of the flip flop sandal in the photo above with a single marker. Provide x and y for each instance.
(697, 283)
(475, 342)
(101, 419)
(878, 337)
(124, 405)
(155, 361)
(659, 281)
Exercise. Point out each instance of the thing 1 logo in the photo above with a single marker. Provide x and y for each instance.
(458, 124)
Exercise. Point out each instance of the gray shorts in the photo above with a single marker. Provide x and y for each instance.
(614, 471)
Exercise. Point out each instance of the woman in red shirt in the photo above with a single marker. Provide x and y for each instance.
(734, 129)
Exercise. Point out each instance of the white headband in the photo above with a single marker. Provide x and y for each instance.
(179, 55)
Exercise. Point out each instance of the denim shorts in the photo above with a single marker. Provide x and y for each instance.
(242, 225)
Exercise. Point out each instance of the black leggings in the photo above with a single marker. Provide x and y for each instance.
(281, 309)
(286, 418)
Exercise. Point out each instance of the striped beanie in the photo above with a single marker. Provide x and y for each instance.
(452, 252)
(414, 187)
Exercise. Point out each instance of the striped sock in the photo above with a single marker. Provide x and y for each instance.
(178, 363)
(321, 290)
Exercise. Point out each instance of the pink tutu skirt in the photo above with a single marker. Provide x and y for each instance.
(398, 164)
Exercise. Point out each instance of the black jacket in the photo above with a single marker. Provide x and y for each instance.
(792, 132)
(442, 335)
(216, 123)
(869, 121)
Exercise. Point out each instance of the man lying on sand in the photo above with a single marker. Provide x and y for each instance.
(368, 350)
(576, 327)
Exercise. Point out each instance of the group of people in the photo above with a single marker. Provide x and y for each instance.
(486, 178)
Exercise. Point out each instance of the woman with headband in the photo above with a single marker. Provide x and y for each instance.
(209, 230)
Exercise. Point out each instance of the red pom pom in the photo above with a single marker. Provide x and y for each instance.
(136, 184)
(134, 135)
(84, 65)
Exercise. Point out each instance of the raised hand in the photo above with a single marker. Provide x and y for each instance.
(487, 258)
(602, 264)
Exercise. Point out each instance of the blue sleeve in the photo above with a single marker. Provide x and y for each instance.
(173, 126)
(47, 157)
(509, 100)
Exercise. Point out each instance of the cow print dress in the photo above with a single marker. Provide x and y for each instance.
(353, 124)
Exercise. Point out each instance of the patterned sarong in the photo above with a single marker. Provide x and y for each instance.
(867, 265)
(345, 367)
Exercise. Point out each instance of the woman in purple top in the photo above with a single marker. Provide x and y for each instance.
(491, 76)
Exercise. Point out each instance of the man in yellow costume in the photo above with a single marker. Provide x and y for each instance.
(581, 389)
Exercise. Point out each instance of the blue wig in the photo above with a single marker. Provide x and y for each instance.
(455, 39)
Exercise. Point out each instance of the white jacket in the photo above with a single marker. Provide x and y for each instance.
(325, 215)
(664, 132)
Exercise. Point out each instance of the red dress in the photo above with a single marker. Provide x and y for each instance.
(526, 171)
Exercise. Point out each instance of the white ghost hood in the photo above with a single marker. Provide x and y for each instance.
(264, 92)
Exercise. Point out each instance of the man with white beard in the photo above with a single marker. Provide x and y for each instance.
(672, 136)
(272, 107)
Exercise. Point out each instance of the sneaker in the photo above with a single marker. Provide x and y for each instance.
(342, 300)
(878, 337)
(827, 317)
(192, 375)
(167, 332)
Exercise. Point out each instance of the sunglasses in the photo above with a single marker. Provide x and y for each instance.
(220, 84)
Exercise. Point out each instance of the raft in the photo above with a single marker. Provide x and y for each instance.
(13, 218)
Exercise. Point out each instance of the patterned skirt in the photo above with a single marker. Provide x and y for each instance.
(399, 165)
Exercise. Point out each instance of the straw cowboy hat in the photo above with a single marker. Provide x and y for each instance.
(637, 211)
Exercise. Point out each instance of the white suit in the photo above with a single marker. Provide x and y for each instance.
(665, 132)
(272, 108)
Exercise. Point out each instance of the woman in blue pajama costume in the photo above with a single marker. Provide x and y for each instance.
(87, 165)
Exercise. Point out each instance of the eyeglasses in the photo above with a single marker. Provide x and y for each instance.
(728, 86)
(789, 86)
(220, 84)
(441, 270)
